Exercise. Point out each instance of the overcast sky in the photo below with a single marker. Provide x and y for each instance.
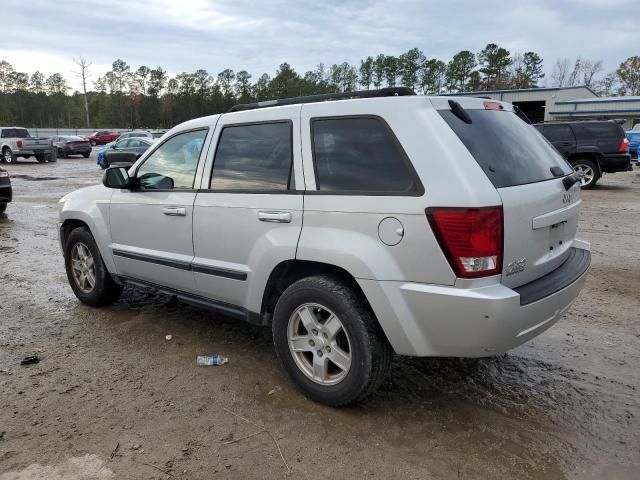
(184, 35)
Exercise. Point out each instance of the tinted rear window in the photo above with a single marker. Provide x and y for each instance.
(15, 133)
(360, 155)
(509, 151)
(603, 131)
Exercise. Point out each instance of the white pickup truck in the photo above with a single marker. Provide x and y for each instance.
(16, 142)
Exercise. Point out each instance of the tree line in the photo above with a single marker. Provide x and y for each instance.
(147, 97)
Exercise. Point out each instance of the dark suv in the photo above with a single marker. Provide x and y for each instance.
(593, 147)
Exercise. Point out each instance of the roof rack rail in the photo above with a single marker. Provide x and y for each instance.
(383, 92)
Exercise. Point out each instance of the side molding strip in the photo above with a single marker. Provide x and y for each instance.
(218, 272)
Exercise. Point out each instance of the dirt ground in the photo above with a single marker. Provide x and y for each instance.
(112, 398)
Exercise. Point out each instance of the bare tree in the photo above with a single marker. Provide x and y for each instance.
(560, 72)
(574, 75)
(590, 68)
(84, 75)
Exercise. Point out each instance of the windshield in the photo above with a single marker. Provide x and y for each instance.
(510, 151)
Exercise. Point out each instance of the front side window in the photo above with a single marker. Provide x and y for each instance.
(174, 163)
(558, 133)
(359, 155)
(253, 157)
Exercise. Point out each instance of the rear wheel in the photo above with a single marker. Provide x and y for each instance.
(40, 158)
(8, 156)
(329, 342)
(589, 170)
(3, 207)
(86, 155)
(86, 272)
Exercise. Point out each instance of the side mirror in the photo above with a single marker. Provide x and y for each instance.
(118, 177)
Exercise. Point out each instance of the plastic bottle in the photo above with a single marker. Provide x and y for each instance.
(206, 360)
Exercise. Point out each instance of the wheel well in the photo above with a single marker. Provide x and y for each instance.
(586, 156)
(291, 271)
(69, 226)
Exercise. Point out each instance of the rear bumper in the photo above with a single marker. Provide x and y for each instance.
(80, 150)
(432, 320)
(35, 151)
(615, 162)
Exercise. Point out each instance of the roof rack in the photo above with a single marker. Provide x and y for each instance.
(382, 92)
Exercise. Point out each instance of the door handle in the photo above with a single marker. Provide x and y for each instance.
(274, 216)
(175, 211)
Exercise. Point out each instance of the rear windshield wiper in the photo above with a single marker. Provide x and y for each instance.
(459, 111)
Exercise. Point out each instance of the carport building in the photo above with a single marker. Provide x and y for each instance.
(567, 103)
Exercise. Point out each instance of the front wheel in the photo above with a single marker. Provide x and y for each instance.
(589, 171)
(86, 272)
(328, 340)
(8, 156)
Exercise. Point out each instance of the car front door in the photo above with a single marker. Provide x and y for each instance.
(247, 217)
(151, 226)
(561, 136)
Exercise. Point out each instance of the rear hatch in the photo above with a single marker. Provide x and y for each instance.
(540, 215)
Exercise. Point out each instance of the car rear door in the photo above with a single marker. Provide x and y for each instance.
(151, 227)
(248, 215)
(540, 216)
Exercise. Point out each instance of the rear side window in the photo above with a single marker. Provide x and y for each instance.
(559, 133)
(602, 131)
(253, 157)
(509, 151)
(360, 154)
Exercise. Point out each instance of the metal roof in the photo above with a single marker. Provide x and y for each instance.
(517, 90)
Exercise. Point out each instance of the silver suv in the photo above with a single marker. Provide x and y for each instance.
(424, 226)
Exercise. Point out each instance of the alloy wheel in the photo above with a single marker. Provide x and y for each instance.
(587, 173)
(83, 267)
(319, 344)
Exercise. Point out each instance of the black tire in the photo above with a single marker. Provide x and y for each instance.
(3, 207)
(8, 156)
(584, 164)
(52, 157)
(40, 158)
(61, 154)
(370, 352)
(105, 290)
(86, 155)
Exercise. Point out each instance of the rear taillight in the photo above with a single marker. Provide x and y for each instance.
(624, 145)
(19, 143)
(471, 239)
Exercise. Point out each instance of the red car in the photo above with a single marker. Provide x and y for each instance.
(103, 137)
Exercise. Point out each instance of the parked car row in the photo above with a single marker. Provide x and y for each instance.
(17, 142)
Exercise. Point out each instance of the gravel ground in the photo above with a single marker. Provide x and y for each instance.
(112, 398)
